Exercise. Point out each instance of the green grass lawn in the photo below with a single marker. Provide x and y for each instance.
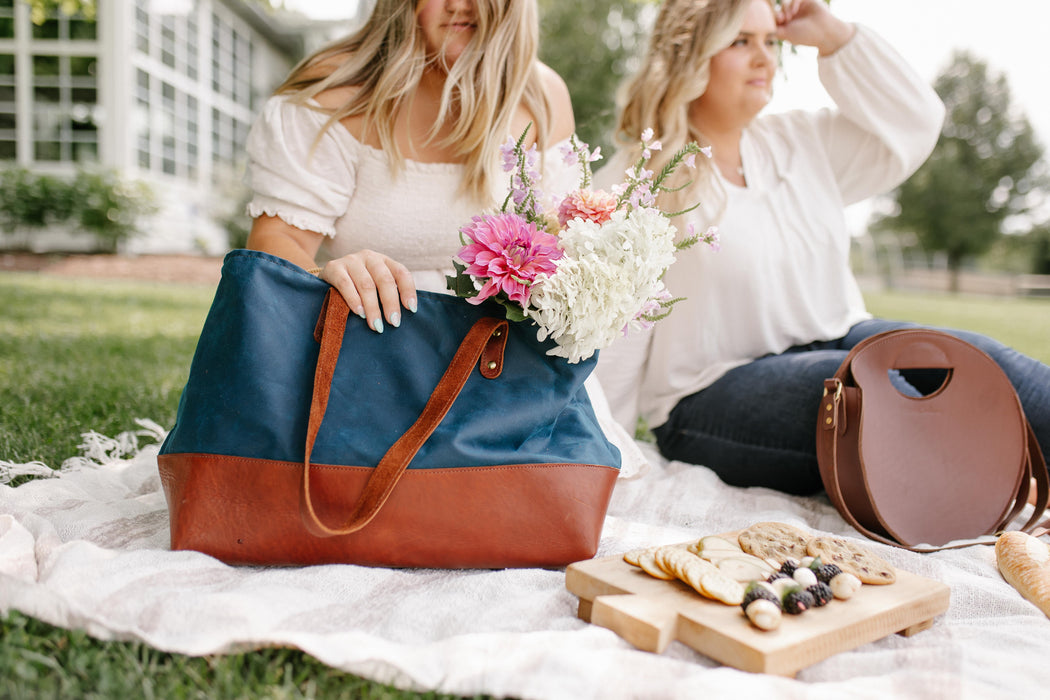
(79, 355)
(1021, 323)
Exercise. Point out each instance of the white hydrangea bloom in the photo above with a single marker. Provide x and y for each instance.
(608, 274)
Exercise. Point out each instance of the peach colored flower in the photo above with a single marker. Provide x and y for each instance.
(589, 205)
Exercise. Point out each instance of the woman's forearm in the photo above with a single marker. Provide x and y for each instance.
(272, 235)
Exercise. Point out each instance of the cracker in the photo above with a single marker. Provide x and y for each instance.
(773, 540)
(693, 571)
(701, 575)
(722, 587)
(633, 555)
(668, 558)
(680, 562)
(852, 558)
(647, 562)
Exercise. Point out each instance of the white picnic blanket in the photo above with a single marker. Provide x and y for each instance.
(89, 550)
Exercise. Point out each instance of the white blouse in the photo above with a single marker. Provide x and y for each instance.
(345, 190)
(782, 275)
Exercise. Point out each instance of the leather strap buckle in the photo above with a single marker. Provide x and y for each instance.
(830, 407)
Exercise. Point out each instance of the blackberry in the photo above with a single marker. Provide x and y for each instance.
(758, 589)
(775, 575)
(798, 602)
(827, 572)
(821, 593)
(788, 567)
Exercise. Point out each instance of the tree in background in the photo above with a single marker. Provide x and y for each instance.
(982, 171)
(1040, 240)
(591, 45)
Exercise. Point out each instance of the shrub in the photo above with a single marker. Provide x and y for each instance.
(109, 208)
(32, 201)
(95, 202)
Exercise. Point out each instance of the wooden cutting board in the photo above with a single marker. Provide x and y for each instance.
(650, 614)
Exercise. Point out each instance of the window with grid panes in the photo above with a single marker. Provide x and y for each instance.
(231, 62)
(64, 104)
(7, 19)
(8, 115)
(61, 27)
(179, 138)
(142, 118)
(142, 26)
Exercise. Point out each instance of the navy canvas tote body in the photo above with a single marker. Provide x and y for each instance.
(303, 437)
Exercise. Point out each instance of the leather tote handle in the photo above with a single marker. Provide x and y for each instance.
(484, 343)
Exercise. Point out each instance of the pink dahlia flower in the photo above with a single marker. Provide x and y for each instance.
(589, 205)
(507, 252)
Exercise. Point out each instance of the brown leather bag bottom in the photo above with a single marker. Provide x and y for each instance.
(247, 511)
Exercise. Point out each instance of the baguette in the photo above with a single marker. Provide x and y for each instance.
(1024, 562)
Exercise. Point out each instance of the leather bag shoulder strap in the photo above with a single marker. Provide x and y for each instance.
(483, 345)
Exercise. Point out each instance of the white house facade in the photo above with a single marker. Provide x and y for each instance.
(164, 91)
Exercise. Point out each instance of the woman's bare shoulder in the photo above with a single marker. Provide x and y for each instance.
(334, 98)
(563, 122)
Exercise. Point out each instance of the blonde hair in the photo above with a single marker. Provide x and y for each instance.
(675, 72)
(385, 60)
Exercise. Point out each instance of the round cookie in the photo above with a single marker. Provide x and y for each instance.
(773, 540)
(852, 558)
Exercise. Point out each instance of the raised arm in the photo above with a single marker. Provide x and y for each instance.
(887, 118)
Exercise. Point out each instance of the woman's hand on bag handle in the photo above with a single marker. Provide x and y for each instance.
(374, 286)
(369, 280)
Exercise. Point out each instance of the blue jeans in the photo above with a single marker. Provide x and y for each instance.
(755, 426)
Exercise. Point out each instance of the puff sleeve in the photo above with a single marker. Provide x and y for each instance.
(305, 185)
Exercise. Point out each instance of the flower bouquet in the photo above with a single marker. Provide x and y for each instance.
(588, 268)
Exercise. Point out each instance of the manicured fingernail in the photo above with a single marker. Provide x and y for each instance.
(377, 325)
(411, 304)
(395, 319)
(360, 311)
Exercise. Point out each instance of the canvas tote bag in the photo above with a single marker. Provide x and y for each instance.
(303, 437)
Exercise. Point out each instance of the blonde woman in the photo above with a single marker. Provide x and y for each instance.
(733, 378)
(377, 148)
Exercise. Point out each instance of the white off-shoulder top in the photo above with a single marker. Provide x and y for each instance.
(344, 189)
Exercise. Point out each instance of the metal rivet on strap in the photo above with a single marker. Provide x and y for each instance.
(828, 407)
(492, 364)
(827, 421)
(497, 333)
